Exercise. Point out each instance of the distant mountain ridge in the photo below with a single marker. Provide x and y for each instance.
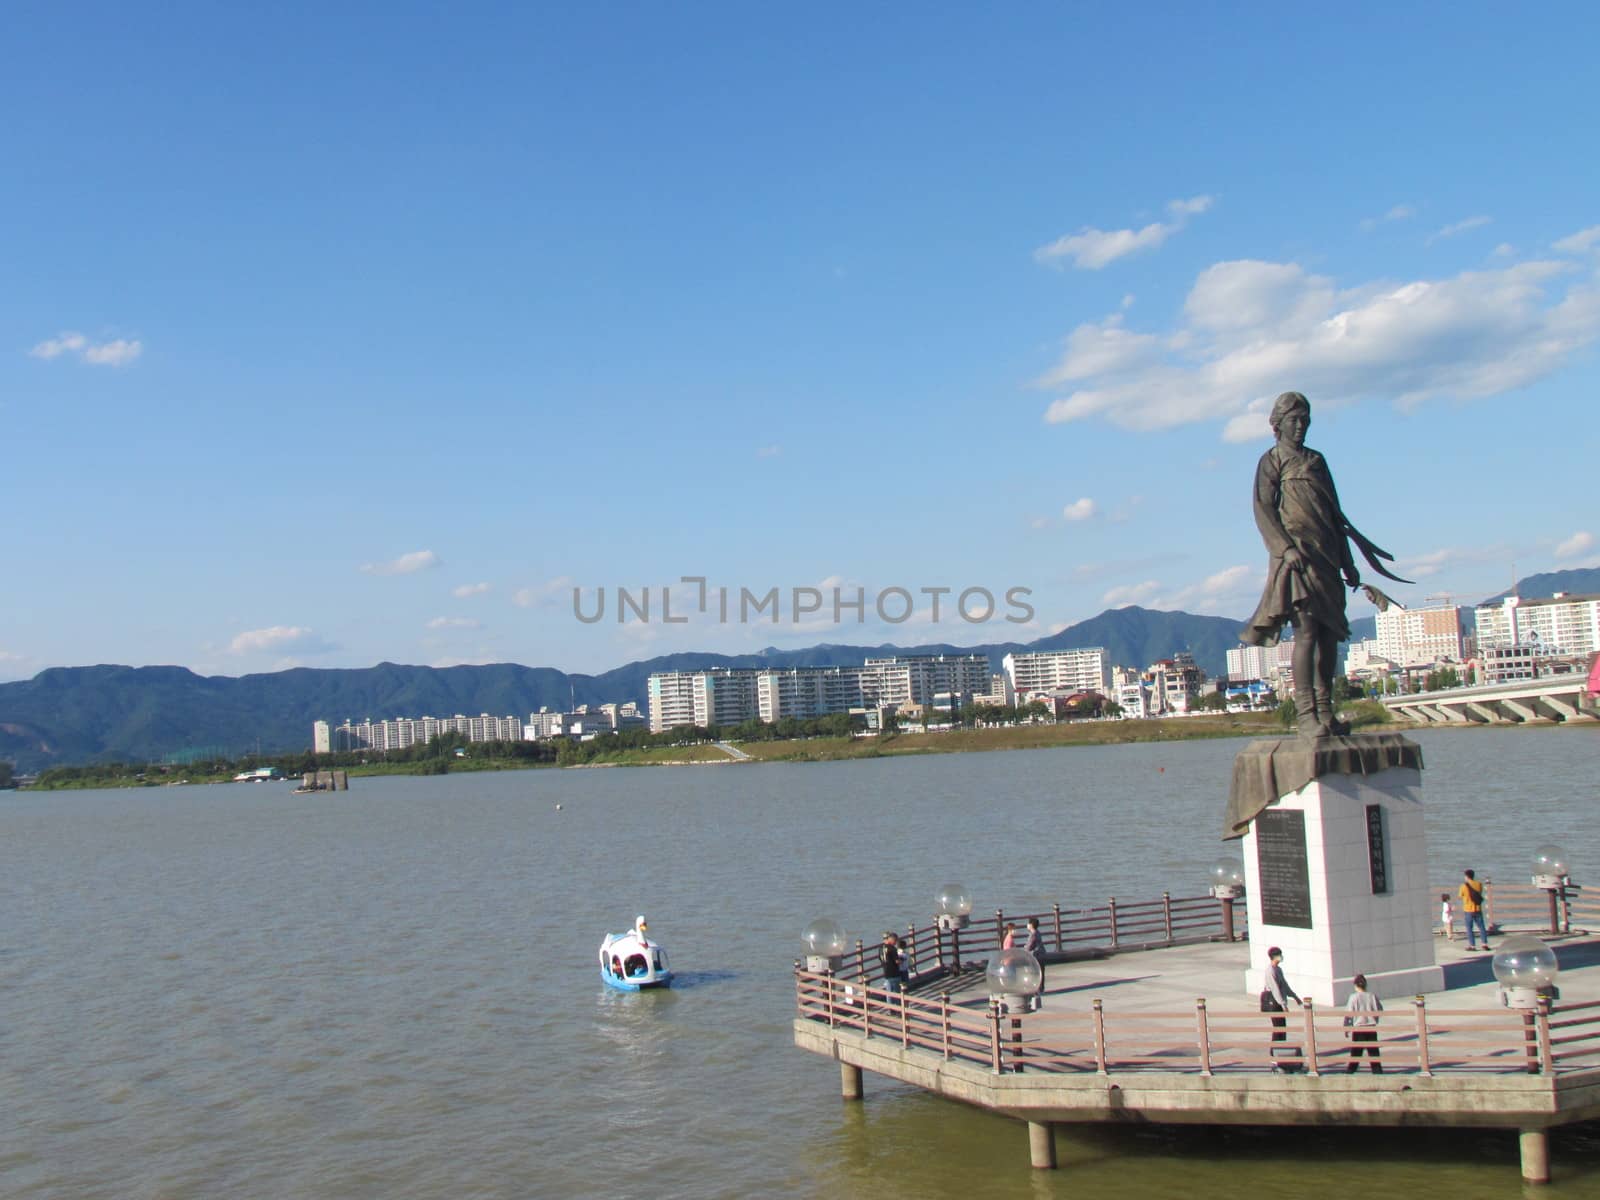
(136, 714)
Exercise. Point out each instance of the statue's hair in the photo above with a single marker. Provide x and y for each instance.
(1286, 404)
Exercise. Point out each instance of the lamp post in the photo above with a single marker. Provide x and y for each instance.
(1550, 876)
(825, 943)
(1227, 885)
(955, 913)
(1013, 978)
(1526, 970)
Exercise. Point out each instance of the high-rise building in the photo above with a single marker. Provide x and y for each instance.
(1412, 637)
(1566, 626)
(1086, 670)
(730, 696)
(321, 738)
(401, 732)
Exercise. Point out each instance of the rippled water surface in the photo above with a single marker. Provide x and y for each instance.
(392, 992)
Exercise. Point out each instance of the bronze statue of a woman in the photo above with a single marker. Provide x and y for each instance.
(1308, 543)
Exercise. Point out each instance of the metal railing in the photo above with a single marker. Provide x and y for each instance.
(930, 951)
(1415, 1039)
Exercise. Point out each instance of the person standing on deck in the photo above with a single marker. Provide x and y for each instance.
(1033, 943)
(889, 958)
(1361, 1022)
(1472, 909)
(1276, 995)
(1010, 938)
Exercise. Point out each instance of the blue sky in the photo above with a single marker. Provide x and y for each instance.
(330, 338)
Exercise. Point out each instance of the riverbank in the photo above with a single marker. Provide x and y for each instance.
(814, 749)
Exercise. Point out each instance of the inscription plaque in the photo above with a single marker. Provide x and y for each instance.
(1285, 878)
(1377, 853)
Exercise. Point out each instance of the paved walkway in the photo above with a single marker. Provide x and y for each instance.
(1171, 979)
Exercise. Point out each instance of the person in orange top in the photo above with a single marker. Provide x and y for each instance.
(1472, 909)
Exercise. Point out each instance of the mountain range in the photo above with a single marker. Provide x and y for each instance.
(137, 714)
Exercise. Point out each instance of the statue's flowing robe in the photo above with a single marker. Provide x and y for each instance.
(1296, 505)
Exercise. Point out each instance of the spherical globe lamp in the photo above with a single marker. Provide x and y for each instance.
(1014, 977)
(825, 944)
(1227, 879)
(955, 906)
(1549, 867)
(1526, 969)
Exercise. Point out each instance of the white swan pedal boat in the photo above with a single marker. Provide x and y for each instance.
(633, 962)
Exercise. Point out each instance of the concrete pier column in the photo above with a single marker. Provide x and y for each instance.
(1535, 1155)
(1042, 1145)
(850, 1081)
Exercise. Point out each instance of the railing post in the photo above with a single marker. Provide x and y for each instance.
(1111, 907)
(1100, 1037)
(1547, 1057)
(944, 1023)
(861, 959)
(1311, 1037)
(1166, 913)
(1424, 1063)
(938, 945)
(1227, 919)
(831, 999)
(1203, 1028)
(999, 924)
(905, 1023)
(994, 1036)
(911, 952)
(866, 1009)
(1056, 908)
(1488, 907)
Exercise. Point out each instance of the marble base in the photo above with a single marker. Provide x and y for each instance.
(1388, 936)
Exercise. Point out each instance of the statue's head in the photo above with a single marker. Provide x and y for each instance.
(1284, 405)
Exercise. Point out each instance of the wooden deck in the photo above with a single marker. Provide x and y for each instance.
(1169, 1034)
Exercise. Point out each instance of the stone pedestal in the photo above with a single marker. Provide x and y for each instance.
(1336, 864)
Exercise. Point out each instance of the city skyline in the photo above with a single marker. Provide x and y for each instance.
(373, 344)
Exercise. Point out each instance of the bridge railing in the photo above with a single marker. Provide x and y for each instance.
(1411, 1038)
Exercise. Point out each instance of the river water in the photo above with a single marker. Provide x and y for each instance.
(392, 992)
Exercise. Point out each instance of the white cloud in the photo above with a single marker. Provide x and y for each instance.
(1581, 242)
(1080, 510)
(1090, 249)
(768, 451)
(1252, 329)
(279, 639)
(454, 623)
(113, 354)
(1450, 231)
(1134, 593)
(1400, 212)
(62, 344)
(1579, 543)
(469, 589)
(117, 353)
(1039, 523)
(406, 564)
(529, 597)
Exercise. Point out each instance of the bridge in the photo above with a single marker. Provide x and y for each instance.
(1552, 698)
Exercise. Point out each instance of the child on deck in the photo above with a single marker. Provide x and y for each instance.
(1447, 922)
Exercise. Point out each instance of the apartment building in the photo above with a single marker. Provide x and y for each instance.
(1413, 637)
(1085, 670)
(729, 696)
(401, 732)
(1563, 625)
